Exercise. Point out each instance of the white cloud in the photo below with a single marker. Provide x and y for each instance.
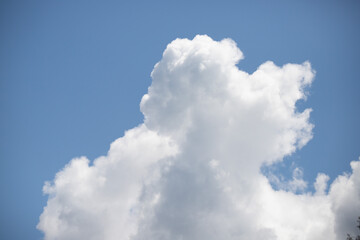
(192, 170)
(100, 201)
(344, 195)
(320, 184)
(295, 185)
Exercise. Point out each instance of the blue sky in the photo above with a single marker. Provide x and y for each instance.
(72, 74)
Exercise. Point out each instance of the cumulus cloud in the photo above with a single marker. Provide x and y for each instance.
(100, 201)
(295, 185)
(345, 198)
(320, 184)
(192, 169)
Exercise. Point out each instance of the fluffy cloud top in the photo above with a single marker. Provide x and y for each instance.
(192, 169)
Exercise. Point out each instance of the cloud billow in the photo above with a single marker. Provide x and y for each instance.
(192, 169)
